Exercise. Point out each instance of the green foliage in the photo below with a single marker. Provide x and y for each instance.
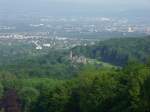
(93, 90)
(54, 64)
(1, 90)
(28, 96)
(45, 83)
(118, 51)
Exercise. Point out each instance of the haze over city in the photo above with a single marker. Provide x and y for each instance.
(76, 7)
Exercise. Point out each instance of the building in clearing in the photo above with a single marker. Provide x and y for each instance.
(77, 59)
(38, 47)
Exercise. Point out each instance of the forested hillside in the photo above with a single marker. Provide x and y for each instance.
(54, 64)
(22, 60)
(52, 81)
(118, 51)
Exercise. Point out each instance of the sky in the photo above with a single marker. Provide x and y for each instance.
(76, 7)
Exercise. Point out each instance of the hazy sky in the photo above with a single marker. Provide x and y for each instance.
(75, 7)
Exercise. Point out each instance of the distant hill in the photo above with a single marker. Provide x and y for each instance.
(118, 51)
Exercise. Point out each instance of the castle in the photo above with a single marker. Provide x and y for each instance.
(77, 59)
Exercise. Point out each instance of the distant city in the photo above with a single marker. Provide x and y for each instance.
(68, 32)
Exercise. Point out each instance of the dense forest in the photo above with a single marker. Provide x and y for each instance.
(54, 64)
(93, 90)
(52, 83)
(118, 51)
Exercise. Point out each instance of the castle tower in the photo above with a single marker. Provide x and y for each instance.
(71, 54)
